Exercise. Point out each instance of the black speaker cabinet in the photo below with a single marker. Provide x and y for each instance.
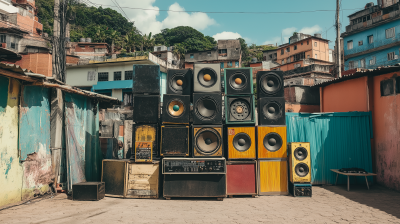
(146, 133)
(239, 109)
(207, 141)
(146, 109)
(88, 191)
(271, 111)
(207, 77)
(146, 79)
(176, 109)
(270, 84)
(180, 81)
(174, 140)
(300, 190)
(207, 108)
(238, 81)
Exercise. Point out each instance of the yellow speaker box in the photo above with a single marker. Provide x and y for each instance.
(271, 142)
(241, 143)
(273, 177)
(299, 162)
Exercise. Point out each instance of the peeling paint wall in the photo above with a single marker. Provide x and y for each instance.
(10, 168)
(34, 141)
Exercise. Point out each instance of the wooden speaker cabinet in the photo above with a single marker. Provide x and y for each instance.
(207, 141)
(273, 177)
(241, 178)
(113, 175)
(271, 142)
(299, 162)
(241, 143)
(88, 191)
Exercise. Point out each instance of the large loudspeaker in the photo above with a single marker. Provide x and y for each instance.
(146, 109)
(176, 109)
(174, 140)
(270, 84)
(179, 81)
(271, 111)
(271, 142)
(299, 162)
(241, 178)
(273, 177)
(146, 133)
(241, 143)
(239, 109)
(207, 141)
(146, 79)
(207, 78)
(207, 108)
(238, 81)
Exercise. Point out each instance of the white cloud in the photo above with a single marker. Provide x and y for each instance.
(288, 32)
(226, 35)
(146, 20)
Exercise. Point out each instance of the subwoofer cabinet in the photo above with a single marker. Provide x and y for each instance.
(239, 109)
(299, 162)
(207, 141)
(272, 142)
(271, 111)
(207, 77)
(300, 190)
(180, 81)
(273, 177)
(88, 191)
(270, 84)
(146, 109)
(175, 140)
(146, 79)
(242, 143)
(194, 177)
(176, 109)
(207, 108)
(146, 133)
(241, 178)
(238, 81)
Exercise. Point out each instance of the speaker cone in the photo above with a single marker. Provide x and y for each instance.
(207, 77)
(176, 108)
(302, 169)
(300, 153)
(177, 82)
(206, 108)
(238, 81)
(240, 109)
(207, 141)
(242, 142)
(272, 142)
(270, 83)
(272, 110)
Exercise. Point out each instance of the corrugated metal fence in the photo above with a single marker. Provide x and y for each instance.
(338, 140)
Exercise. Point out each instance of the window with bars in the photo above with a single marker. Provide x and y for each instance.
(349, 45)
(390, 33)
(391, 56)
(128, 75)
(102, 76)
(117, 76)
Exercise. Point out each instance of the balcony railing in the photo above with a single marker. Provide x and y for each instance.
(373, 45)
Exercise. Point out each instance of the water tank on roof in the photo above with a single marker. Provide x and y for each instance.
(369, 4)
(88, 40)
(318, 35)
(82, 40)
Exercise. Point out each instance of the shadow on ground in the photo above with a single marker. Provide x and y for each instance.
(377, 197)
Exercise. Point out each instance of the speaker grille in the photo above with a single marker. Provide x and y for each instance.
(242, 142)
(302, 169)
(273, 142)
(272, 110)
(240, 109)
(207, 141)
(270, 83)
(206, 108)
(207, 77)
(238, 81)
(300, 153)
(176, 108)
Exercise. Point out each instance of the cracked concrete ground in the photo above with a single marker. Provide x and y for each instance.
(329, 204)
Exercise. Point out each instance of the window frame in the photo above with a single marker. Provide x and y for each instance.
(369, 39)
(372, 59)
(352, 65)
(391, 54)
(362, 63)
(390, 84)
(282, 51)
(128, 75)
(116, 74)
(387, 31)
(315, 44)
(348, 44)
(191, 55)
(295, 47)
(360, 43)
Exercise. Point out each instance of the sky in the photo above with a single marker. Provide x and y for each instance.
(268, 27)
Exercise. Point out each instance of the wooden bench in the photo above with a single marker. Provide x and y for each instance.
(353, 175)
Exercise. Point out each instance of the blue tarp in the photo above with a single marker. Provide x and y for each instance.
(338, 140)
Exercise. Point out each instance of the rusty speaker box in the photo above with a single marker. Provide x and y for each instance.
(174, 140)
(146, 133)
(88, 191)
(241, 178)
(146, 79)
(146, 109)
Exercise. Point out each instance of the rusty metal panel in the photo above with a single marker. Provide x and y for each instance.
(34, 140)
(93, 152)
(10, 167)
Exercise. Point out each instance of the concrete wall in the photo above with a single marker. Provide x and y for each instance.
(8, 7)
(202, 56)
(307, 46)
(302, 95)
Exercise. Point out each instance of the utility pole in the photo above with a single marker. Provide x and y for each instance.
(338, 50)
(56, 36)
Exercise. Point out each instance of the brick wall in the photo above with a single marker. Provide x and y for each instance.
(40, 63)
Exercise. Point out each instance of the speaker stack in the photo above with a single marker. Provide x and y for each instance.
(300, 169)
(271, 134)
(241, 133)
(146, 112)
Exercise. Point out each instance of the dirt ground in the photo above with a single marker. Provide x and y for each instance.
(329, 204)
